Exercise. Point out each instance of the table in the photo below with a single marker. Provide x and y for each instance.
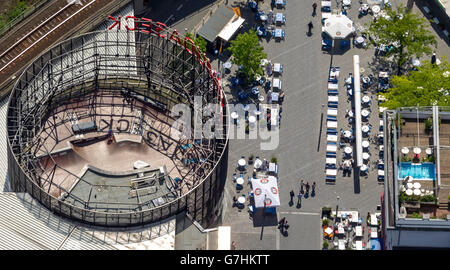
(263, 17)
(255, 91)
(365, 99)
(277, 67)
(359, 40)
(348, 150)
(376, 9)
(341, 230)
(258, 164)
(365, 155)
(365, 113)
(365, 144)
(341, 244)
(332, 112)
(373, 234)
(365, 6)
(278, 33)
(275, 96)
(347, 134)
(241, 200)
(358, 231)
(331, 172)
(333, 98)
(350, 113)
(279, 17)
(359, 245)
(242, 162)
(365, 128)
(277, 83)
(381, 147)
(373, 220)
(234, 115)
(331, 124)
(240, 181)
(346, 2)
(330, 161)
(332, 138)
(280, 2)
(331, 148)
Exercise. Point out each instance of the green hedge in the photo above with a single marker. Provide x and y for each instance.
(416, 198)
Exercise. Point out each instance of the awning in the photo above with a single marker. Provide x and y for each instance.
(266, 192)
(231, 27)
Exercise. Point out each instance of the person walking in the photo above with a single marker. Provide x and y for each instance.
(301, 187)
(314, 9)
(310, 26)
(292, 194)
(307, 187)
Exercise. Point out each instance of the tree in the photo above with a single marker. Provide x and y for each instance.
(248, 53)
(407, 31)
(428, 86)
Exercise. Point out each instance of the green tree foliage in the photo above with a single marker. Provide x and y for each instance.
(405, 29)
(248, 53)
(428, 86)
(199, 41)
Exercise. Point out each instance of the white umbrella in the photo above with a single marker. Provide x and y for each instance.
(417, 150)
(405, 150)
(338, 26)
(409, 192)
(241, 162)
(429, 151)
(251, 119)
(265, 192)
(328, 230)
(417, 191)
(409, 185)
(417, 185)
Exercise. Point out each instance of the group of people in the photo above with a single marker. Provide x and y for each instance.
(304, 191)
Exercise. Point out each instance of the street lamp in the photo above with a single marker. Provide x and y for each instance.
(335, 218)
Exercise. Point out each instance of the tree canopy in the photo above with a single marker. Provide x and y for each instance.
(407, 31)
(428, 86)
(199, 41)
(248, 53)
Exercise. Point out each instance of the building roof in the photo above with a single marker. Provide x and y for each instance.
(216, 23)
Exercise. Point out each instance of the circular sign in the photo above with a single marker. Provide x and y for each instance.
(258, 191)
(274, 190)
(338, 33)
(264, 181)
(268, 201)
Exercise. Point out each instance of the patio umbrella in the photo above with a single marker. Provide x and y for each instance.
(405, 150)
(417, 150)
(265, 192)
(338, 26)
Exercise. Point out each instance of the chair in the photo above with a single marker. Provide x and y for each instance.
(344, 44)
(333, 92)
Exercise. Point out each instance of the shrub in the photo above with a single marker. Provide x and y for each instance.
(325, 245)
(251, 157)
(416, 215)
(427, 198)
(325, 222)
(428, 123)
(274, 160)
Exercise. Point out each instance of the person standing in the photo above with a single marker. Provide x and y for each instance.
(292, 194)
(299, 196)
(314, 9)
(301, 187)
(307, 187)
(310, 26)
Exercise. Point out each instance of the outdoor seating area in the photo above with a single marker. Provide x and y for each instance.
(332, 125)
(270, 21)
(260, 191)
(346, 231)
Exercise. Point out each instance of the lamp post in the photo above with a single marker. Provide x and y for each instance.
(335, 218)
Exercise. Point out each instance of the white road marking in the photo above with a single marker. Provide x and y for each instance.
(300, 213)
(179, 7)
(170, 17)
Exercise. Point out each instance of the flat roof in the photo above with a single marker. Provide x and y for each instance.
(211, 29)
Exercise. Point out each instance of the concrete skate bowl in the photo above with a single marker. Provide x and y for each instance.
(90, 131)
